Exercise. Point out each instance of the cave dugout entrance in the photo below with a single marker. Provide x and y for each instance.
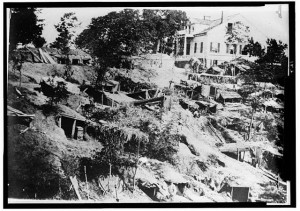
(69, 126)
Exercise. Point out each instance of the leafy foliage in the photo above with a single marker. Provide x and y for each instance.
(238, 34)
(65, 28)
(25, 27)
(272, 64)
(55, 91)
(162, 25)
(157, 140)
(254, 48)
(112, 38)
(30, 172)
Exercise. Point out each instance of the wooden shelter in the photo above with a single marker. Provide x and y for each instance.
(18, 117)
(71, 122)
(232, 97)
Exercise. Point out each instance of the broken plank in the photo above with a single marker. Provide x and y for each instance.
(142, 102)
(75, 186)
(34, 55)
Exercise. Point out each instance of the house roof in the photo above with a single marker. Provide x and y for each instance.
(272, 103)
(76, 53)
(202, 21)
(14, 112)
(217, 69)
(212, 23)
(230, 95)
(279, 91)
(265, 85)
(110, 83)
(226, 86)
(68, 112)
(119, 97)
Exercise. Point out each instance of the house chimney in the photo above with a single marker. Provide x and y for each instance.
(206, 17)
(222, 18)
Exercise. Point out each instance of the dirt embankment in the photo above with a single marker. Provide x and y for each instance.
(43, 158)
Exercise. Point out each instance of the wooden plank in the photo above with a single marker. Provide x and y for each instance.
(35, 55)
(142, 102)
(271, 176)
(73, 128)
(49, 58)
(43, 57)
(59, 121)
(156, 93)
(75, 186)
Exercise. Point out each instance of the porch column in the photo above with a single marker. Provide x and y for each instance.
(73, 128)
(184, 45)
(176, 46)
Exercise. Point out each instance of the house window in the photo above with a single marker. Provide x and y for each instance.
(201, 47)
(188, 48)
(229, 28)
(195, 49)
(214, 47)
(231, 49)
(234, 48)
(241, 48)
(215, 62)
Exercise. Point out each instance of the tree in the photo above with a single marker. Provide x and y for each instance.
(254, 48)
(55, 91)
(111, 38)
(239, 33)
(118, 35)
(66, 31)
(272, 63)
(18, 60)
(236, 33)
(39, 42)
(25, 27)
(162, 26)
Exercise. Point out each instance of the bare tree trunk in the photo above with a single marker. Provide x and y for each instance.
(86, 183)
(138, 152)
(158, 45)
(20, 78)
(109, 176)
(252, 117)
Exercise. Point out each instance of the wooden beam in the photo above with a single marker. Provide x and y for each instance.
(142, 102)
(34, 55)
(59, 121)
(73, 128)
(75, 186)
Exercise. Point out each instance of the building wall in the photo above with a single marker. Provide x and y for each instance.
(217, 36)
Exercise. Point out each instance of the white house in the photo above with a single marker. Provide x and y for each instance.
(206, 40)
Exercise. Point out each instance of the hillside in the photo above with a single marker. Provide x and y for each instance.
(131, 153)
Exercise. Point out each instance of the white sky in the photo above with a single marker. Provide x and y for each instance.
(264, 18)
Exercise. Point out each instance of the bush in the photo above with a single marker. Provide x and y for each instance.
(162, 143)
(31, 173)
